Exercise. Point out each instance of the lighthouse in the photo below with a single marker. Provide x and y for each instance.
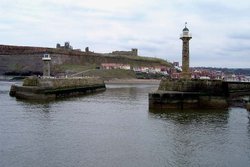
(185, 37)
(46, 65)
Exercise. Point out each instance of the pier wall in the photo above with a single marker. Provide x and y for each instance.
(50, 89)
(182, 94)
(238, 88)
(56, 83)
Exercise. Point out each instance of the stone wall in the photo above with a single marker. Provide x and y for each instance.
(12, 50)
(133, 52)
(62, 82)
(238, 88)
(190, 94)
(211, 87)
(21, 63)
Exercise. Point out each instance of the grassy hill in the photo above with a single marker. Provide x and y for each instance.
(110, 74)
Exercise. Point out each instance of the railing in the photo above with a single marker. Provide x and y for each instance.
(82, 72)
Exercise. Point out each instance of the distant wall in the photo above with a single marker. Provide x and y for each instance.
(12, 50)
(21, 63)
(133, 52)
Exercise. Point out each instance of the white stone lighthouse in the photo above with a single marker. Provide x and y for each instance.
(185, 37)
(46, 65)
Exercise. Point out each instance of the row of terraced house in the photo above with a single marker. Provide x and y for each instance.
(152, 69)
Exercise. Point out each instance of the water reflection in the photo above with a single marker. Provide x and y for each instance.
(191, 116)
(115, 128)
(39, 106)
(193, 133)
(129, 91)
(248, 127)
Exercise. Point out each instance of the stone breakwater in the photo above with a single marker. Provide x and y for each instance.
(50, 88)
(185, 94)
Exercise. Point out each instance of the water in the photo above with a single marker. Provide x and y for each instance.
(115, 128)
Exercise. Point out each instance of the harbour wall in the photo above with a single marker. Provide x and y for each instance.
(183, 94)
(49, 88)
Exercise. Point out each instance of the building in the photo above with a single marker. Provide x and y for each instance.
(176, 64)
(66, 46)
(109, 66)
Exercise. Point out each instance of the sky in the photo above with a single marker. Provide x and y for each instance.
(220, 29)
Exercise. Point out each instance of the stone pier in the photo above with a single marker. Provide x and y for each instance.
(50, 88)
(190, 94)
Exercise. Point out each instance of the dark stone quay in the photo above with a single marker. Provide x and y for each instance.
(186, 94)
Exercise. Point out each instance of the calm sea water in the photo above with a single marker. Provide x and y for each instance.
(115, 128)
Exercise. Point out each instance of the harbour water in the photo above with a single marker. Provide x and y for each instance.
(116, 128)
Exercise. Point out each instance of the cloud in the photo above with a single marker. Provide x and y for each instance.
(219, 28)
(240, 36)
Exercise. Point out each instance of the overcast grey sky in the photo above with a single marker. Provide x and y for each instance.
(220, 29)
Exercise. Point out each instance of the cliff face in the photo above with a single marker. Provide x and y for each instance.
(23, 59)
(20, 63)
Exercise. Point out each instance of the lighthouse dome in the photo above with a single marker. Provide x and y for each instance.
(185, 29)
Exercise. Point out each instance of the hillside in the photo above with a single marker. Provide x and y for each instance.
(25, 59)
